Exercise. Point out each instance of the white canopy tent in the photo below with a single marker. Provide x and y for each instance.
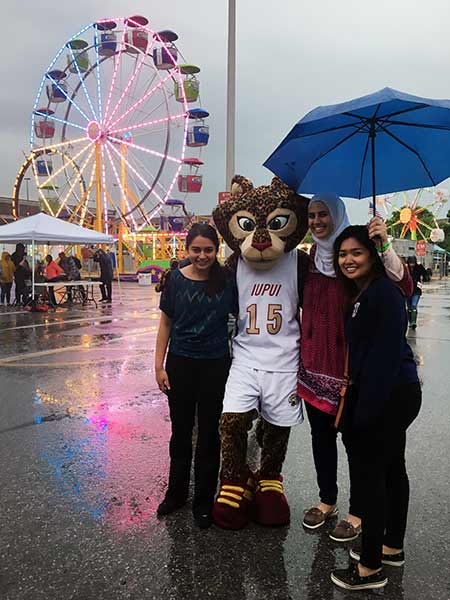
(50, 230)
(44, 229)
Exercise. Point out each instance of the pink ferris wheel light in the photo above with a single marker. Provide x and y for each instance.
(94, 131)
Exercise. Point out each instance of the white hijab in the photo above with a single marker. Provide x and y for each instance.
(323, 258)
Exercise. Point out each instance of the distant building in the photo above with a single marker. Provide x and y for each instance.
(406, 248)
(26, 208)
(433, 256)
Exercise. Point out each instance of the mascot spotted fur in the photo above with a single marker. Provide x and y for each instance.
(263, 226)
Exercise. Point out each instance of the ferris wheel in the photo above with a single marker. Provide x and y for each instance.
(410, 209)
(114, 127)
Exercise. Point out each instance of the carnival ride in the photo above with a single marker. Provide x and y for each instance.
(114, 131)
(411, 209)
(162, 242)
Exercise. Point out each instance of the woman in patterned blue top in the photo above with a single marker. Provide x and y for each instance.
(195, 304)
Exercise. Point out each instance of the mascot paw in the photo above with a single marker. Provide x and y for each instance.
(232, 506)
(270, 507)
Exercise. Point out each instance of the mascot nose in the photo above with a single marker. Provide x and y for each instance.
(261, 245)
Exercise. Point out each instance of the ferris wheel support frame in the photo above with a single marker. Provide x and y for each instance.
(98, 189)
(122, 227)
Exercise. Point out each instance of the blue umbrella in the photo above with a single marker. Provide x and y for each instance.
(383, 142)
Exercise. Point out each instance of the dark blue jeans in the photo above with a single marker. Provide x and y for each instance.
(413, 301)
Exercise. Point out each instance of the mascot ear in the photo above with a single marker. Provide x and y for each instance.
(223, 213)
(279, 186)
(239, 186)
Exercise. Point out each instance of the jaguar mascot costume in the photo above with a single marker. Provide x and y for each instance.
(263, 227)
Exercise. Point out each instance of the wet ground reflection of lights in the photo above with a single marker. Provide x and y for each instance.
(83, 439)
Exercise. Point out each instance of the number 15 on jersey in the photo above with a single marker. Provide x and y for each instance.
(272, 321)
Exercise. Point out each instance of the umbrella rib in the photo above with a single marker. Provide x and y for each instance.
(420, 125)
(399, 112)
(328, 130)
(363, 119)
(406, 110)
(397, 139)
(334, 147)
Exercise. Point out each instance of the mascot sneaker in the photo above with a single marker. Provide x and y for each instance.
(232, 505)
(270, 506)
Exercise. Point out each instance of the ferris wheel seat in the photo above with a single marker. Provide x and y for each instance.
(198, 114)
(136, 40)
(190, 183)
(50, 202)
(166, 35)
(57, 92)
(197, 135)
(107, 44)
(165, 58)
(77, 58)
(43, 129)
(44, 167)
(176, 224)
(174, 202)
(191, 90)
(80, 63)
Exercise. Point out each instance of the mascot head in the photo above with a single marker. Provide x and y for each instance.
(262, 223)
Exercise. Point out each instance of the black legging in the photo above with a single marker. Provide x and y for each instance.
(325, 454)
(195, 385)
(21, 290)
(324, 447)
(377, 464)
(6, 292)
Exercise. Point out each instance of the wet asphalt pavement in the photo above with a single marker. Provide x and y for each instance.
(83, 443)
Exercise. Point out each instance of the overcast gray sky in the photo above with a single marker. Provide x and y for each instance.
(292, 55)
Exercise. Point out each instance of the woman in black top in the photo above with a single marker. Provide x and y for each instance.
(195, 305)
(382, 399)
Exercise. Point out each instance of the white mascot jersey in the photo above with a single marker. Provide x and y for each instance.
(268, 336)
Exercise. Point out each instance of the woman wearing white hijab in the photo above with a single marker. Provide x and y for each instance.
(323, 350)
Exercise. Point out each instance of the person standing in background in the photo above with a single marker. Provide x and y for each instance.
(106, 275)
(418, 275)
(21, 274)
(7, 269)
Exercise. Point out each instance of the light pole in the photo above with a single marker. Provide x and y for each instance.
(27, 179)
(231, 94)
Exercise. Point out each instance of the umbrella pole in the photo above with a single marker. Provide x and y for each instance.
(32, 272)
(374, 192)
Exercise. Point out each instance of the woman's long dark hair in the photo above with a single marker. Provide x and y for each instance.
(217, 275)
(361, 234)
